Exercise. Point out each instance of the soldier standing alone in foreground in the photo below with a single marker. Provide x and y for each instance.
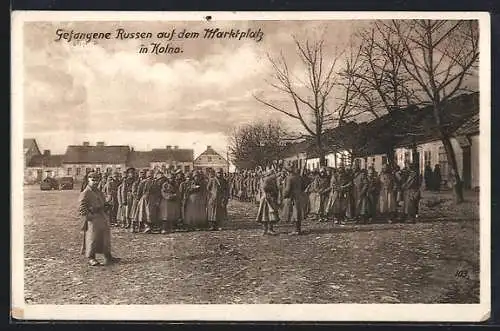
(97, 236)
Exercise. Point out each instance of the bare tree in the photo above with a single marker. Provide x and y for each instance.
(309, 96)
(376, 74)
(438, 55)
(257, 144)
(374, 80)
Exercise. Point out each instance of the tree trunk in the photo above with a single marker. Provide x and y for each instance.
(452, 160)
(321, 151)
(390, 157)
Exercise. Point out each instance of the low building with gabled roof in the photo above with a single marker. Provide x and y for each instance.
(80, 159)
(211, 159)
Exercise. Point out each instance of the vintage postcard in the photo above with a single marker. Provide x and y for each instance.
(284, 166)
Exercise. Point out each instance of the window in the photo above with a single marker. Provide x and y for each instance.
(78, 171)
(209, 158)
(384, 159)
(187, 168)
(68, 171)
(86, 169)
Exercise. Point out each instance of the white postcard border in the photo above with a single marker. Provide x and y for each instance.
(292, 312)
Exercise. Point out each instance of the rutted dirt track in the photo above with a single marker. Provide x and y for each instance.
(407, 263)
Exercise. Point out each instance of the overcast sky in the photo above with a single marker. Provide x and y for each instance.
(107, 91)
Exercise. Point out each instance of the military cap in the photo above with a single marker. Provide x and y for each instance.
(93, 175)
(131, 169)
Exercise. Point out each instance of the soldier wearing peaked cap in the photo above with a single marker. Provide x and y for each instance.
(95, 223)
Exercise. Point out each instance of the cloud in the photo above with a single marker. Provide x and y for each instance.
(104, 89)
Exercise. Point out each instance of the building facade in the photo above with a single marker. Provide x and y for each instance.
(79, 159)
(43, 166)
(211, 159)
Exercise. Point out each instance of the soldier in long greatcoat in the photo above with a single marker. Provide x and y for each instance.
(268, 213)
(359, 190)
(218, 196)
(148, 203)
(110, 191)
(195, 208)
(387, 194)
(411, 189)
(92, 209)
(125, 198)
(169, 208)
(340, 184)
(134, 224)
(293, 193)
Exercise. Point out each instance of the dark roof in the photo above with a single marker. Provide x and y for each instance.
(139, 159)
(456, 113)
(172, 154)
(42, 160)
(470, 127)
(28, 143)
(342, 137)
(292, 149)
(210, 151)
(96, 154)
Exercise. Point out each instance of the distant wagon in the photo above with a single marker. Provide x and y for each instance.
(49, 184)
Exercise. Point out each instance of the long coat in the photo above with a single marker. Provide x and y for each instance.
(317, 197)
(94, 223)
(195, 207)
(218, 196)
(127, 198)
(135, 199)
(268, 206)
(339, 199)
(294, 203)
(387, 195)
(169, 207)
(148, 202)
(411, 194)
(110, 190)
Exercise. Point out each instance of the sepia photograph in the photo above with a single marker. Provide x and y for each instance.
(243, 166)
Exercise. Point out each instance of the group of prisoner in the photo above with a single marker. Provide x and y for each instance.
(158, 201)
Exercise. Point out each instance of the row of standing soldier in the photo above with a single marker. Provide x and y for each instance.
(340, 195)
(151, 201)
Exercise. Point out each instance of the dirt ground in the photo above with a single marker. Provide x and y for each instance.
(433, 261)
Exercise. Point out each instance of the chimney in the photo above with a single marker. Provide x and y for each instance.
(100, 143)
(169, 146)
(176, 147)
(46, 152)
(131, 149)
(86, 143)
(209, 147)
